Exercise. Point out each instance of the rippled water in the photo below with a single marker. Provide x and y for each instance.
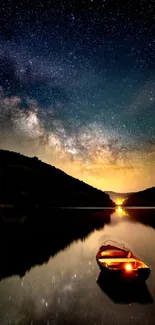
(65, 290)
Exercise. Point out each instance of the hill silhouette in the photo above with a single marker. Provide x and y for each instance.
(29, 181)
(142, 198)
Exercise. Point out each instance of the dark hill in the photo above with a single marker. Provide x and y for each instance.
(142, 198)
(29, 181)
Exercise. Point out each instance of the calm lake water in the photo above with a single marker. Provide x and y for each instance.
(66, 289)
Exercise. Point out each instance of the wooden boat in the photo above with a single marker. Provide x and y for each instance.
(115, 259)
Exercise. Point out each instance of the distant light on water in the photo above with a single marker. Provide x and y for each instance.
(120, 211)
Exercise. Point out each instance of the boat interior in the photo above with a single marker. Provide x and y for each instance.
(119, 258)
(128, 264)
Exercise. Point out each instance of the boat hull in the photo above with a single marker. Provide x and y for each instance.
(139, 274)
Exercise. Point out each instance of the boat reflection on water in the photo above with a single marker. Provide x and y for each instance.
(123, 292)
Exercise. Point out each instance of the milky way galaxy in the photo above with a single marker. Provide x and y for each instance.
(77, 88)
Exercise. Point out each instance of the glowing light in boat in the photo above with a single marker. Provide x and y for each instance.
(128, 267)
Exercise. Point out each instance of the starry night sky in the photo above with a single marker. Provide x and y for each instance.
(77, 88)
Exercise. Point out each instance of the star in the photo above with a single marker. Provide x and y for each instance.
(79, 92)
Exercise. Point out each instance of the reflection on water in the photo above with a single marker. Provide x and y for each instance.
(34, 238)
(144, 216)
(63, 289)
(125, 293)
(121, 212)
(31, 240)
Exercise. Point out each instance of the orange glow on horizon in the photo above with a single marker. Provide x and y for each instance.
(100, 175)
(119, 201)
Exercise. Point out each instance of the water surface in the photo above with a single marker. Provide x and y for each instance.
(65, 288)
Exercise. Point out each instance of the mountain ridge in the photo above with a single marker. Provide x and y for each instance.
(25, 180)
(141, 198)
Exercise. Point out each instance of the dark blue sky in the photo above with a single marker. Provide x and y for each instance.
(82, 75)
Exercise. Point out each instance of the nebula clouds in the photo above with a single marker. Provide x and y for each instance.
(89, 143)
(91, 149)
